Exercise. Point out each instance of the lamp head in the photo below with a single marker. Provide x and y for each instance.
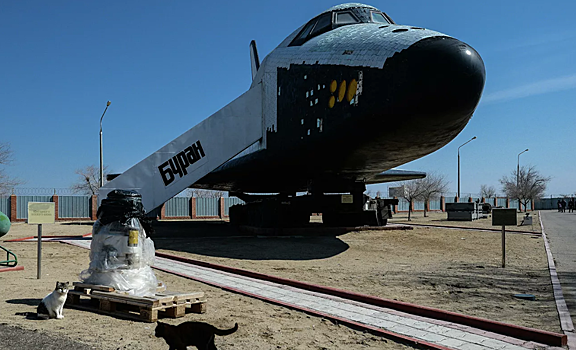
(108, 103)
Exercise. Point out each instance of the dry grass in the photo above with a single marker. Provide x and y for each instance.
(455, 270)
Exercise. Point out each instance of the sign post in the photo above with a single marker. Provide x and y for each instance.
(39, 260)
(503, 217)
(40, 213)
(503, 246)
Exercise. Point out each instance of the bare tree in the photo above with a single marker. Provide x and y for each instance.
(6, 182)
(526, 185)
(487, 191)
(413, 191)
(88, 180)
(433, 185)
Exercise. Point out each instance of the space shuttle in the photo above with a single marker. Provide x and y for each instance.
(340, 103)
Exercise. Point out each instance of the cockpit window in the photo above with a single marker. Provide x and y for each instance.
(323, 25)
(378, 17)
(345, 18)
(342, 17)
(306, 31)
(317, 26)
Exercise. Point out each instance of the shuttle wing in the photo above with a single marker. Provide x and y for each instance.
(195, 153)
(396, 175)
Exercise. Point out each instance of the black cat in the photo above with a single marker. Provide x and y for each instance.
(198, 334)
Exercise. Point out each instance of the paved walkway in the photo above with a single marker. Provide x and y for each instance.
(438, 333)
(560, 229)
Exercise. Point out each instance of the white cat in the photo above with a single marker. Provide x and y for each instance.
(52, 304)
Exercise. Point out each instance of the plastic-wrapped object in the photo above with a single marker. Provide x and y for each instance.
(120, 253)
(120, 205)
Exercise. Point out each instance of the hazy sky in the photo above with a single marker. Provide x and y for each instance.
(167, 65)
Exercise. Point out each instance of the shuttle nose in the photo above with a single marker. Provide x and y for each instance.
(439, 80)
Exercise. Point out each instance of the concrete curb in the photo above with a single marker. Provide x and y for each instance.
(418, 343)
(520, 332)
(233, 282)
(47, 237)
(375, 330)
(15, 268)
(563, 312)
(477, 229)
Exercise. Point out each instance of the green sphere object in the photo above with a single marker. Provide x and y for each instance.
(4, 224)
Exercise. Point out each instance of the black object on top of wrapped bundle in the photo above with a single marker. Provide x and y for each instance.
(120, 205)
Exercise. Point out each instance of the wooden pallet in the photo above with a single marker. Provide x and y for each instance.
(105, 299)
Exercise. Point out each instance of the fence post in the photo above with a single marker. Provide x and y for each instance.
(507, 202)
(13, 208)
(456, 199)
(495, 201)
(55, 200)
(221, 209)
(395, 207)
(94, 207)
(193, 205)
(442, 203)
(190, 206)
(469, 199)
(483, 200)
(163, 211)
(532, 204)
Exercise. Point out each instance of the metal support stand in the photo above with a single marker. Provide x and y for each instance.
(39, 270)
(9, 262)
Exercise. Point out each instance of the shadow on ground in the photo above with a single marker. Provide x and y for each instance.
(18, 338)
(27, 301)
(220, 239)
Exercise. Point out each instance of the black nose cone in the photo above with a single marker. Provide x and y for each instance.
(437, 80)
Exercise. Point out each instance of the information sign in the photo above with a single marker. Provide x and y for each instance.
(41, 212)
(347, 198)
(504, 217)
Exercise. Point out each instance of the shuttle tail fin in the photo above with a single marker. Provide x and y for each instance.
(254, 58)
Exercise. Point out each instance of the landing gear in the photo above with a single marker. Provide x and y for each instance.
(338, 210)
(272, 212)
(376, 212)
(335, 219)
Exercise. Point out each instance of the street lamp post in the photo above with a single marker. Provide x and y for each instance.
(518, 176)
(474, 138)
(101, 156)
(518, 169)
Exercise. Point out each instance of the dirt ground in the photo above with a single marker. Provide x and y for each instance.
(454, 270)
